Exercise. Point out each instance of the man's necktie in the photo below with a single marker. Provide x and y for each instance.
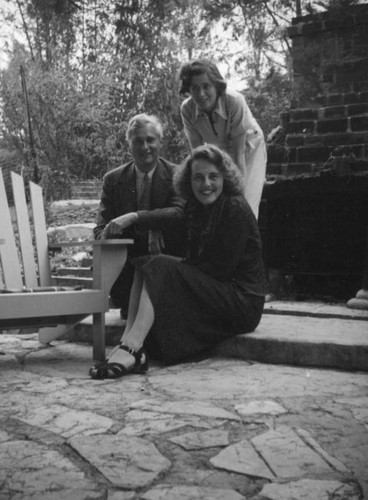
(144, 202)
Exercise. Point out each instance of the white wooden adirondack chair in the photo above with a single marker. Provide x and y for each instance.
(25, 273)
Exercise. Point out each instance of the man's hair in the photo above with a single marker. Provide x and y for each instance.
(141, 120)
(233, 179)
(200, 67)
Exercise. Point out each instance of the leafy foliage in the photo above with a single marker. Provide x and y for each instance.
(90, 66)
(268, 98)
(71, 214)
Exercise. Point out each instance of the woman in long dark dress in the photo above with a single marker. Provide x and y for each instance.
(187, 305)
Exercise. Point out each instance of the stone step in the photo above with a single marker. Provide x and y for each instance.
(87, 189)
(74, 276)
(72, 281)
(61, 205)
(87, 186)
(303, 334)
(87, 262)
(315, 342)
(82, 272)
(88, 182)
(314, 310)
(92, 195)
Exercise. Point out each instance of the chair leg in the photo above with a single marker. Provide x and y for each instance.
(98, 333)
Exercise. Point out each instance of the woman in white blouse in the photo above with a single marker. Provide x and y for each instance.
(215, 114)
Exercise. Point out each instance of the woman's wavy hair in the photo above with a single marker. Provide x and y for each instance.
(233, 179)
(200, 67)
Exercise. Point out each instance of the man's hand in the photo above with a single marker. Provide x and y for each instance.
(116, 226)
(156, 241)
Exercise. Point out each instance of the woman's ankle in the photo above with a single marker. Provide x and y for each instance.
(131, 345)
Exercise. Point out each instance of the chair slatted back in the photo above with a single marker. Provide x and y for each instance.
(23, 264)
(2, 242)
(40, 231)
(24, 232)
(12, 273)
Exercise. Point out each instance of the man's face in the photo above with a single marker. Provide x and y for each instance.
(144, 146)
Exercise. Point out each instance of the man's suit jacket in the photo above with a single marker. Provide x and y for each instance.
(167, 208)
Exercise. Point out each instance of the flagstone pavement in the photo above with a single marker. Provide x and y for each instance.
(218, 429)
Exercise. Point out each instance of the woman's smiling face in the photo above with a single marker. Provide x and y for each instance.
(203, 92)
(207, 181)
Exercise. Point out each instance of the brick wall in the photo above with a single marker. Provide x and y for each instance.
(327, 125)
(334, 43)
(316, 195)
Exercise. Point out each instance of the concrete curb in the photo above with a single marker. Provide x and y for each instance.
(315, 342)
(315, 309)
(298, 334)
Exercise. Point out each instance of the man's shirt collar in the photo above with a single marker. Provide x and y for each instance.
(141, 174)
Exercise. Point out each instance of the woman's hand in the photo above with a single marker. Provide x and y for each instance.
(239, 150)
(156, 242)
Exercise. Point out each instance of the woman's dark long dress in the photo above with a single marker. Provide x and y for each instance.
(217, 292)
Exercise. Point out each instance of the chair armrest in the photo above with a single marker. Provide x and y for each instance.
(113, 241)
(109, 257)
(88, 243)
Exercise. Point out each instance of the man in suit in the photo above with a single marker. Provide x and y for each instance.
(138, 201)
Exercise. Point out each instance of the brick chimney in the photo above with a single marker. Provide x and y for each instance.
(327, 125)
(316, 195)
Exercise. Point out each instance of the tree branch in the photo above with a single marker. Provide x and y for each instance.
(25, 27)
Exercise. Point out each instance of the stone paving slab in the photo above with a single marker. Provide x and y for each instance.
(288, 456)
(29, 467)
(66, 421)
(242, 458)
(307, 489)
(219, 428)
(111, 464)
(139, 423)
(127, 462)
(200, 440)
(190, 493)
(263, 407)
(186, 407)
